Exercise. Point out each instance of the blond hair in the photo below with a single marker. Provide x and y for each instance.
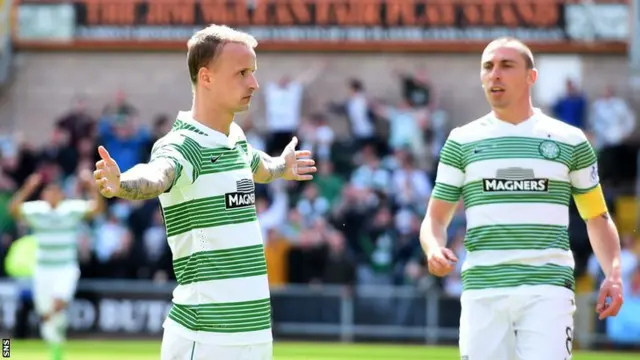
(205, 45)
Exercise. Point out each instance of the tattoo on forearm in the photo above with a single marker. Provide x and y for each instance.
(146, 181)
(275, 167)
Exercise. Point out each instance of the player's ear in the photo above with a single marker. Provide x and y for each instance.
(204, 77)
(532, 76)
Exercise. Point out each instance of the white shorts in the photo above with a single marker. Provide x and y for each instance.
(522, 327)
(175, 347)
(50, 284)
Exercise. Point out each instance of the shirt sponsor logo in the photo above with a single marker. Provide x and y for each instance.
(522, 185)
(243, 197)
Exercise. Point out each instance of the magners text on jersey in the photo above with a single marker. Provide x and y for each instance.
(238, 200)
(529, 185)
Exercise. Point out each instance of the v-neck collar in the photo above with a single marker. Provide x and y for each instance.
(524, 125)
(211, 134)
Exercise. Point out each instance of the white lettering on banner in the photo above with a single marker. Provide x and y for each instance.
(82, 315)
(132, 316)
(593, 22)
(110, 315)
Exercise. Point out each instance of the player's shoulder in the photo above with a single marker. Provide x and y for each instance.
(560, 130)
(471, 131)
(37, 207)
(175, 137)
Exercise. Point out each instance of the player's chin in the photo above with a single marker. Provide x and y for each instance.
(243, 107)
(496, 102)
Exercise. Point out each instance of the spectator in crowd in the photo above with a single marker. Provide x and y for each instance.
(611, 123)
(329, 183)
(312, 205)
(405, 130)
(376, 250)
(119, 106)
(416, 88)
(572, 106)
(161, 126)
(339, 264)
(410, 185)
(611, 120)
(283, 103)
(113, 241)
(370, 174)
(125, 136)
(272, 215)
(357, 109)
(78, 121)
(316, 135)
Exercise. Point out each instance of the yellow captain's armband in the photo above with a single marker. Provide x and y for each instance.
(591, 203)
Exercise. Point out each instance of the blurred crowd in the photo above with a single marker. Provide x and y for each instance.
(356, 223)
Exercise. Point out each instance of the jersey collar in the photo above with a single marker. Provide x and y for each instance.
(211, 134)
(523, 125)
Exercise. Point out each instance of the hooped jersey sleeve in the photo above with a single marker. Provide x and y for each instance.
(183, 151)
(585, 180)
(450, 176)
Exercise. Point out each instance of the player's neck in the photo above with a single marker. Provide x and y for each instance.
(211, 117)
(515, 115)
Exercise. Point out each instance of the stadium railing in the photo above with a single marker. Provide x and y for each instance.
(118, 308)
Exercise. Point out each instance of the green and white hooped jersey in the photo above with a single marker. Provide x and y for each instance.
(56, 230)
(218, 254)
(516, 182)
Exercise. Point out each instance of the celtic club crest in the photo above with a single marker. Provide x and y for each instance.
(549, 150)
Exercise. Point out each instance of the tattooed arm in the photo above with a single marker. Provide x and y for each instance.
(605, 242)
(147, 181)
(269, 168)
(142, 182)
(291, 165)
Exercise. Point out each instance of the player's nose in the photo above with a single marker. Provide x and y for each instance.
(253, 83)
(495, 74)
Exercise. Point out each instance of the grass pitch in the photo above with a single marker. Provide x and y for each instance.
(150, 350)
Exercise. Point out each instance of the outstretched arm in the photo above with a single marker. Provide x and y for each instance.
(147, 181)
(291, 165)
(269, 168)
(142, 182)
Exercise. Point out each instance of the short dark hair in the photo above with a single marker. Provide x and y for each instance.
(205, 45)
(517, 44)
(356, 85)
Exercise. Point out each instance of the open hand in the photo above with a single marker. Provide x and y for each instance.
(107, 174)
(298, 164)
